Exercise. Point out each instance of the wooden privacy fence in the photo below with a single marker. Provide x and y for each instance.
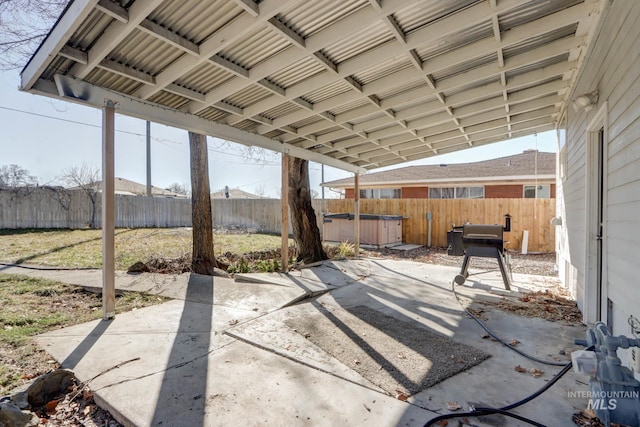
(533, 215)
(55, 208)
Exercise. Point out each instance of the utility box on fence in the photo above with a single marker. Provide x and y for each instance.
(375, 230)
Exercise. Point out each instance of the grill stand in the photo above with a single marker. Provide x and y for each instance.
(484, 252)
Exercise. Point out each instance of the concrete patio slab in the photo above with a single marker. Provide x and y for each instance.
(223, 354)
(177, 369)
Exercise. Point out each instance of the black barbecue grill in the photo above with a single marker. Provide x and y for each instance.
(480, 240)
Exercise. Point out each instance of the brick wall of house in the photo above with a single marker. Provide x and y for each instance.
(503, 191)
(415, 192)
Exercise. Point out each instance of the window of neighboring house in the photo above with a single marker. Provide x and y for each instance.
(456, 192)
(542, 191)
(380, 193)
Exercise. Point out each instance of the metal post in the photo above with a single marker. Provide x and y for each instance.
(356, 213)
(322, 179)
(108, 212)
(148, 158)
(285, 212)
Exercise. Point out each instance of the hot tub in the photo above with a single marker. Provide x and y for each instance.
(375, 230)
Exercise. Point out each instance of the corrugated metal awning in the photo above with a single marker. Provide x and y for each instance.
(356, 84)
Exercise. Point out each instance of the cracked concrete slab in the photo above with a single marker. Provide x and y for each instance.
(203, 361)
(177, 368)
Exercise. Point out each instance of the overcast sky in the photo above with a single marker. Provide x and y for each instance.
(46, 136)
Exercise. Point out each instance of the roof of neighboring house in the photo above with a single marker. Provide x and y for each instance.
(235, 193)
(527, 165)
(126, 186)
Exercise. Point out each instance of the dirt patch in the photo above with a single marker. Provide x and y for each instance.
(30, 306)
(400, 357)
(537, 264)
(549, 305)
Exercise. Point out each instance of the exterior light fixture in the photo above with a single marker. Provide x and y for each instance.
(586, 101)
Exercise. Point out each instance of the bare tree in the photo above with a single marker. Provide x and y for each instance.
(23, 26)
(178, 188)
(85, 178)
(260, 190)
(305, 228)
(13, 176)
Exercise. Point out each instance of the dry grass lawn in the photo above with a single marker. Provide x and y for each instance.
(83, 248)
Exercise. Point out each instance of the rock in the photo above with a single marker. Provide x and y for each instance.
(138, 267)
(21, 400)
(562, 352)
(12, 416)
(47, 385)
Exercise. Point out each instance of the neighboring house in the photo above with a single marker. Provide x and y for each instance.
(531, 174)
(598, 203)
(234, 193)
(132, 188)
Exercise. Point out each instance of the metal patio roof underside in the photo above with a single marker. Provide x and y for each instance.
(356, 84)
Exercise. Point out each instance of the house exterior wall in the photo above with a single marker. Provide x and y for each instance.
(415, 192)
(503, 191)
(613, 68)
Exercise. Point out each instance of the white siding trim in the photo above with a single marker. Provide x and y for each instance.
(599, 121)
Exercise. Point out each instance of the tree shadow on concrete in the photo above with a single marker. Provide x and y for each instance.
(189, 355)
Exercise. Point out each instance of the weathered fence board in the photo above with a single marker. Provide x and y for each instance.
(533, 215)
(54, 208)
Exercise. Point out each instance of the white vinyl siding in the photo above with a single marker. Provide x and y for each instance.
(614, 69)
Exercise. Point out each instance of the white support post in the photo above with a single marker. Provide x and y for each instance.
(149, 193)
(108, 212)
(285, 212)
(356, 213)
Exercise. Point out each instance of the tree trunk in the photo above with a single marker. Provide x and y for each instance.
(305, 228)
(203, 261)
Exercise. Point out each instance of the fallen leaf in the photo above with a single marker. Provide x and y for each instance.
(233, 322)
(401, 396)
(401, 355)
(87, 394)
(484, 336)
(535, 372)
(50, 407)
(514, 342)
(443, 423)
(520, 369)
(357, 362)
(452, 406)
(589, 413)
(87, 409)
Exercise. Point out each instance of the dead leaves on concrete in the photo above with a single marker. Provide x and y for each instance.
(541, 304)
(534, 372)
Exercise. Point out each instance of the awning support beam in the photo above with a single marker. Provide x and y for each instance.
(285, 212)
(356, 214)
(108, 212)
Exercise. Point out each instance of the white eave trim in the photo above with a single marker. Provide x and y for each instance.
(73, 17)
(84, 93)
(524, 179)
